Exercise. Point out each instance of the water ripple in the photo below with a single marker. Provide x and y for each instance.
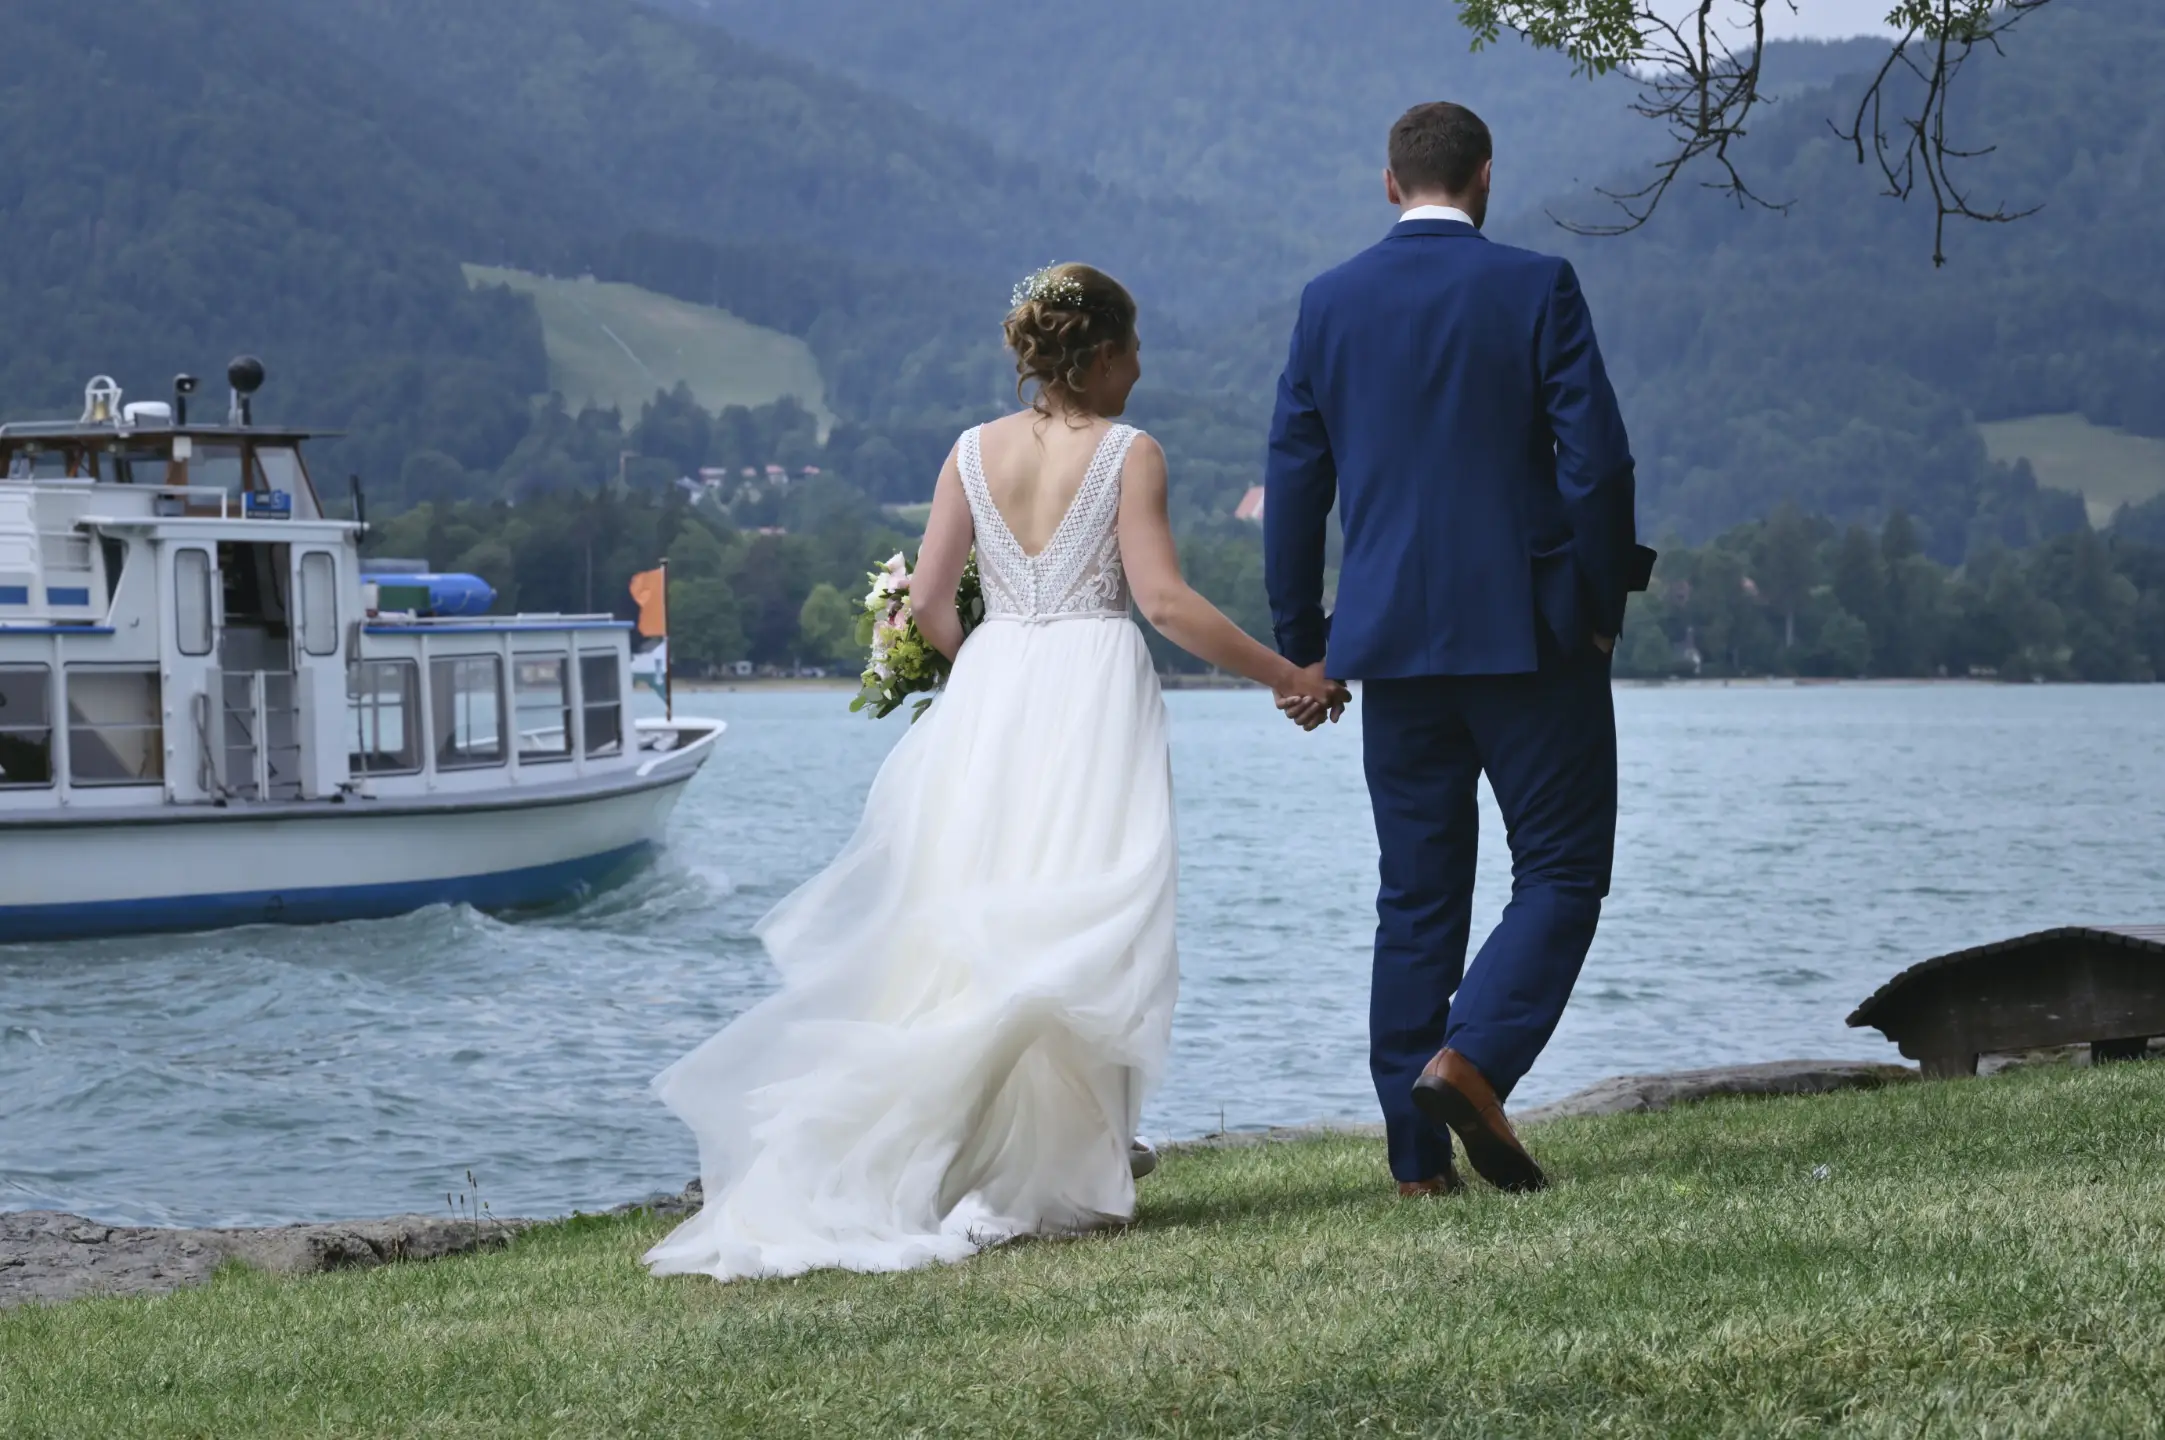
(1783, 851)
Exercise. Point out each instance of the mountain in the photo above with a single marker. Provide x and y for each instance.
(685, 128)
(162, 214)
(1812, 356)
(1816, 356)
(1275, 111)
(306, 178)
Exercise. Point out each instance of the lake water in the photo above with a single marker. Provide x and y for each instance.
(1784, 849)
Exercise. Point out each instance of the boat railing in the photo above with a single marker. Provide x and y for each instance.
(204, 494)
(524, 620)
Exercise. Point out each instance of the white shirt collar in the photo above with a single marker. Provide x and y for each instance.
(1437, 212)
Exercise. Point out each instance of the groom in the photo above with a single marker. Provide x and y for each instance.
(1448, 394)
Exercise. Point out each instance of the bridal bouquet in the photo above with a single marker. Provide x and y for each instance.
(900, 662)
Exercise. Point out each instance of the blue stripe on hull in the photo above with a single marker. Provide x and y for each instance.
(537, 886)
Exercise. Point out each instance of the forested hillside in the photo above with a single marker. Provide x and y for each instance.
(1815, 356)
(1273, 110)
(182, 183)
(305, 178)
(688, 129)
(1812, 356)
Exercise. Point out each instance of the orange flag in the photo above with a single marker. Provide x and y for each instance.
(651, 589)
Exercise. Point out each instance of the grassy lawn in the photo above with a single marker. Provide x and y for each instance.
(617, 344)
(2106, 467)
(1974, 1257)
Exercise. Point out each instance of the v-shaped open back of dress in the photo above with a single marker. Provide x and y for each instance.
(977, 994)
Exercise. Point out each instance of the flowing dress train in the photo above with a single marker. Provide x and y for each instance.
(978, 993)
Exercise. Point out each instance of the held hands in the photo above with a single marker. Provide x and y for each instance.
(1311, 697)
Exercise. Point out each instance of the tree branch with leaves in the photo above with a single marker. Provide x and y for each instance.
(1698, 65)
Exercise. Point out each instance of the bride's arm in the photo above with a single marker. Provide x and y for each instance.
(946, 549)
(1178, 612)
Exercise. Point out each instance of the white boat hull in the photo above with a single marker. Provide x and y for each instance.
(273, 865)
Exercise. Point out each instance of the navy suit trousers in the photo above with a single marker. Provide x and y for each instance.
(1547, 742)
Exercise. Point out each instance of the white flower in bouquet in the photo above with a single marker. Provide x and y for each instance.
(899, 661)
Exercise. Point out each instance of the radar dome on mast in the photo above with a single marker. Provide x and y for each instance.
(245, 375)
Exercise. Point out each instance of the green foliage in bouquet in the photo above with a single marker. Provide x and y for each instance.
(899, 661)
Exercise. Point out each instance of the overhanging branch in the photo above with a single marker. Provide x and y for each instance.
(1703, 89)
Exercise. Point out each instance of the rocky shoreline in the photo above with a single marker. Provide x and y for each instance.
(48, 1256)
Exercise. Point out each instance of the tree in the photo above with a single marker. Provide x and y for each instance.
(1844, 644)
(827, 628)
(1646, 652)
(1787, 565)
(705, 625)
(1699, 79)
(1860, 577)
(672, 427)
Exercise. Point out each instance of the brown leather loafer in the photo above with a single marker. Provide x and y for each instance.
(1452, 1092)
(1447, 1183)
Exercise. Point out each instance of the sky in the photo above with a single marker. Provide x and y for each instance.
(1825, 19)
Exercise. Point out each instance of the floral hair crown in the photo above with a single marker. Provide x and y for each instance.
(1048, 287)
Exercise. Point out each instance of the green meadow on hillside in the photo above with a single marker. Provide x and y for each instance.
(2108, 468)
(1973, 1257)
(615, 345)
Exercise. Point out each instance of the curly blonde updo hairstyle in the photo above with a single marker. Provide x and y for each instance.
(1064, 318)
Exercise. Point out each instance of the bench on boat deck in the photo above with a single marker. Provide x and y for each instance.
(2099, 985)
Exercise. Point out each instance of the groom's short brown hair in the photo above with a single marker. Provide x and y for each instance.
(1438, 147)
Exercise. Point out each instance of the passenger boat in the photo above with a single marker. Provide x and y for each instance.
(214, 711)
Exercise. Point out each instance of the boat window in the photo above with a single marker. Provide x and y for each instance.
(26, 726)
(140, 469)
(466, 700)
(32, 463)
(115, 732)
(541, 699)
(603, 700)
(280, 466)
(383, 713)
(216, 467)
(64, 550)
(319, 603)
(192, 601)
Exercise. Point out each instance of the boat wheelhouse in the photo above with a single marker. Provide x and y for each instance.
(213, 711)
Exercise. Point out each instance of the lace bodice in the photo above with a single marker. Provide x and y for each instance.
(1078, 573)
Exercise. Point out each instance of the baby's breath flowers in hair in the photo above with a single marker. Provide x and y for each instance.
(1048, 287)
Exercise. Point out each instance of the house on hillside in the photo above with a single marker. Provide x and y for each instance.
(1250, 507)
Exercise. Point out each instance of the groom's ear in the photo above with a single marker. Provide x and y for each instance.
(1391, 192)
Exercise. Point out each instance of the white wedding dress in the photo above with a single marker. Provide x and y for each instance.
(978, 992)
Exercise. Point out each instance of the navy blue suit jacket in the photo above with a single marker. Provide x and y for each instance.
(1447, 392)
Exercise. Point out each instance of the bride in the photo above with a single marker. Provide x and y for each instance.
(978, 992)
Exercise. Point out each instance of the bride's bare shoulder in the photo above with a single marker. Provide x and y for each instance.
(1019, 422)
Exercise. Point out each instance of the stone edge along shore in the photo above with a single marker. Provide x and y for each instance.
(48, 1256)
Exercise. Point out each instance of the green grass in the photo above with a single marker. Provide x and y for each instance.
(2108, 468)
(1979, 1258)
(612, 344)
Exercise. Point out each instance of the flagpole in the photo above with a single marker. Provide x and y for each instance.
(669, 661)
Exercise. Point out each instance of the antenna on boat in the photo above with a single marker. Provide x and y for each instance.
(101, 401)
(246, 377)
(183, 387)
(360, 508)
